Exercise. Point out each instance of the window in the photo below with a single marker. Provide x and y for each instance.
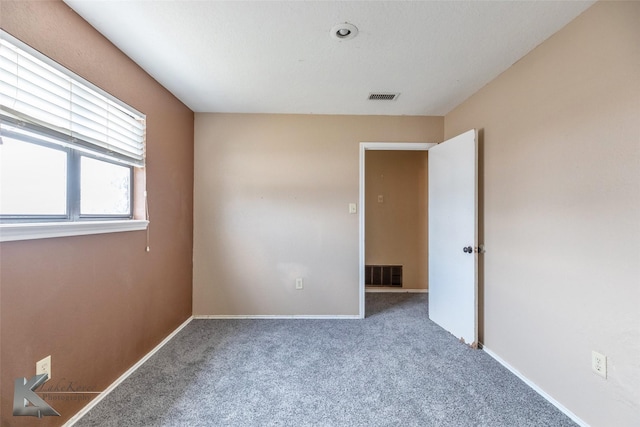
(105, 188)
(43, 181)
(33, 179)
(68, 150)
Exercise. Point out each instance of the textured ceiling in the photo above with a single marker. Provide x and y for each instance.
(278, 57)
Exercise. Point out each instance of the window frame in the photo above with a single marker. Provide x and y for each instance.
(11, 218)
(79, 216)
(73, 222)
(73, 202)
(28, 227)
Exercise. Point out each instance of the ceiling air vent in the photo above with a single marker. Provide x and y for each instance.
(383, 96)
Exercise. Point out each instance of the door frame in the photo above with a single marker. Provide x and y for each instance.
(379, 146)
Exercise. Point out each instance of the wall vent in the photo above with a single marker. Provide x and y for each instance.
(383, 96)
(383, 275)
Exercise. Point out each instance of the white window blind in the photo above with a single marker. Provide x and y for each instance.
(41, 95)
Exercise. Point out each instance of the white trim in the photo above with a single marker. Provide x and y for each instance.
(276, 316)
(396, 290)
(397, 146)
(124, 376)
(44, 230)
(537, 389)
(364, 146)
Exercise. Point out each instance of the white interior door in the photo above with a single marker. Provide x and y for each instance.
(453, 235)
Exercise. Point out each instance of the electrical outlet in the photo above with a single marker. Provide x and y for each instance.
(44, 367)
(599, 364)
(299, 283)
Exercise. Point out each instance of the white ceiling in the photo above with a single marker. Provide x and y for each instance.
(278, 57)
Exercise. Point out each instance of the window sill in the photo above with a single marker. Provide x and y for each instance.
(44, 230)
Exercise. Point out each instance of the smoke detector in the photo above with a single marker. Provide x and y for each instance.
(344, 31)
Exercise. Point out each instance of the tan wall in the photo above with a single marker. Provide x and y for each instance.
(396, 229)
(271, 204)
(561, 206)
(98, 303)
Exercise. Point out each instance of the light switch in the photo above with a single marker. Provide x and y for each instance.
(380, 198)
(353, 208)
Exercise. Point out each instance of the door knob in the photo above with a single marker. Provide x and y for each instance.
(467, 250)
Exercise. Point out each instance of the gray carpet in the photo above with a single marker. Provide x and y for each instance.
(394, 368)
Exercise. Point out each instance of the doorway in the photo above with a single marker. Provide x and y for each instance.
(364, 147)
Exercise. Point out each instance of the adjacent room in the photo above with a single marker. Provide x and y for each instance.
(350, 213)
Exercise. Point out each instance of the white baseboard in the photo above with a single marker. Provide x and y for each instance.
(276, 316)
(537, 389)
(131, 370)
(123, 377)
(396, 290)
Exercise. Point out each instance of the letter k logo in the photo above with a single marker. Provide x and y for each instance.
(23, 395)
